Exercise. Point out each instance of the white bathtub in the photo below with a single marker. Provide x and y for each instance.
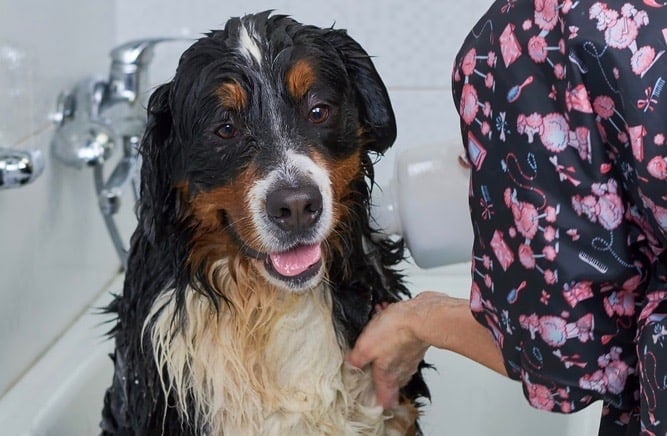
(62, 393)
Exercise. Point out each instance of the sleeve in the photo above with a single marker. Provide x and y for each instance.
(620, 50)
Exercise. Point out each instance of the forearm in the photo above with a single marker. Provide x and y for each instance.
(448, 324)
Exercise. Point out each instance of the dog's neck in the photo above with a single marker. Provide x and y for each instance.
(269, 362)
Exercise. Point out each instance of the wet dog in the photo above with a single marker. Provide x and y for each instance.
(254, 266)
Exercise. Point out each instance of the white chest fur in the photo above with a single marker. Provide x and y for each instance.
(269, 365)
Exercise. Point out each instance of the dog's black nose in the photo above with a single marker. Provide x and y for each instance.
(295, 209)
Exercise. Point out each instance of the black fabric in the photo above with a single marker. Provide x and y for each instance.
(564, 122)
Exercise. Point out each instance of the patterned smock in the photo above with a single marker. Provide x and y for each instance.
(563, 113)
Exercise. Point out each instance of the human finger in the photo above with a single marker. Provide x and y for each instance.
(386, 387)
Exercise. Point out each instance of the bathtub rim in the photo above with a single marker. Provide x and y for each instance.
(36, 393)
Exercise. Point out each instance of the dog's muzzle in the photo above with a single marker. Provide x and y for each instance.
(296, 211)
(292, 210)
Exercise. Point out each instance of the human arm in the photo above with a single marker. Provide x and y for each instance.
(396, 339)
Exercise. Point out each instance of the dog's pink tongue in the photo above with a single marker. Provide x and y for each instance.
(293, 262)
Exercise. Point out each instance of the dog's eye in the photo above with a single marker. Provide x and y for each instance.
(227, 131)
(318, 114)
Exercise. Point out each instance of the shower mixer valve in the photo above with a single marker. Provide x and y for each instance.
(101, 114)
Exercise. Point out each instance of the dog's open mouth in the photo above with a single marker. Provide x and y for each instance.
(298, 264)
(295, 266)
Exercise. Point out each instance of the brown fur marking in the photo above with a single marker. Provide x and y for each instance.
(232, 96)
(343, 173)
(211, 240)
(300, 78)
(406, 420)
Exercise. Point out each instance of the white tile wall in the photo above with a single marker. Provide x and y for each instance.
(55, 256)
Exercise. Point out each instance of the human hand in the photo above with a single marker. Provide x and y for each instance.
(395, 340)
(392, 344)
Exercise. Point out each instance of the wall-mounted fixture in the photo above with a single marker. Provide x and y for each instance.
(19, 167)
(99, 115)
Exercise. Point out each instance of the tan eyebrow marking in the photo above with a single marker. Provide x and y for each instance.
(300, 78)
(232, 96)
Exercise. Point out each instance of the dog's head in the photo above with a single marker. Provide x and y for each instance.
(255, 150)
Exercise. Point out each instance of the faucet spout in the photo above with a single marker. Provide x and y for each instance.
(128, 74)
(137, 51)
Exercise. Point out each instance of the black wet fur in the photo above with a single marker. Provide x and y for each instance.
(177, 147)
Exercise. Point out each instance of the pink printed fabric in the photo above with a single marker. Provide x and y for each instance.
(563, 113)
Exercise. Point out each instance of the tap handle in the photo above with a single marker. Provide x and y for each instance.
(19, 167)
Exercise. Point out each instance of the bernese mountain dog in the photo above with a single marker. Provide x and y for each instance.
(254, 265)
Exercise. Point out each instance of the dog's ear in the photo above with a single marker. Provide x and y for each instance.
(156, 168)
(375, 111)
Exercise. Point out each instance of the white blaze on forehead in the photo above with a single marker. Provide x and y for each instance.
(295, 169)
(248, 44)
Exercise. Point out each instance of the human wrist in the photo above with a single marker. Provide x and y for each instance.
(459, 332)
(458, 326)
(433, 318)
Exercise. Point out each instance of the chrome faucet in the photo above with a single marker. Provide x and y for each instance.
(19, 167)
(100, 113)
(18, 164)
